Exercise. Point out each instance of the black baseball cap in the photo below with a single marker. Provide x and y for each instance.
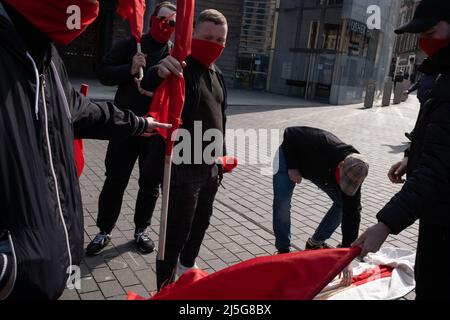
(428, 14)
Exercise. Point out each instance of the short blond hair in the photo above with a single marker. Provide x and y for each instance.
(212, 15)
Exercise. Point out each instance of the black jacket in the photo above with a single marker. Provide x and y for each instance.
(114, 70)
(40, 200)
(314, 152)
(425, 195)
(192, 103)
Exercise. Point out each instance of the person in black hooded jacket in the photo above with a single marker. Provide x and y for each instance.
(120, 68)
(41, 219)
(425, 194)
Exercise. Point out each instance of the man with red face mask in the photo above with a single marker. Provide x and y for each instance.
(120, 67)
(425, 194)
(41, 218)
(195, 175)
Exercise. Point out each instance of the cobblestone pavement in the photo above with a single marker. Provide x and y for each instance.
(241, 227)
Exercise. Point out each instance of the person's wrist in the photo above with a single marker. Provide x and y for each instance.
(384, 227)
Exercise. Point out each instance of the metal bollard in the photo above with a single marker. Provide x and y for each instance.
(387, 92)
(370, 95)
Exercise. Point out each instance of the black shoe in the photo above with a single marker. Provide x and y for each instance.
(310, 246)
(143, 242)
(99, 243)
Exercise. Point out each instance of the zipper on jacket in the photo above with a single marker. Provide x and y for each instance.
(61, 91)
(53, 171)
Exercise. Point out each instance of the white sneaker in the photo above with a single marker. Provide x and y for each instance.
(182, 269)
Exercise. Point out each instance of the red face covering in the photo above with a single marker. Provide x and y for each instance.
(57, 19)
(206, 52)
(432, 46)
(337, 174)
(161, 30)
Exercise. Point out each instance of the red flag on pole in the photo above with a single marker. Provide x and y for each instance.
(167, 104)
(294, 276)
(133, 11)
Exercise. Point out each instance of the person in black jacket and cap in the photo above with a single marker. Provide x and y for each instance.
(41, 217)
(332, 165)
(425, 194)
(120, 67)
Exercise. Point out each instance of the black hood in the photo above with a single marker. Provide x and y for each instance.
(19, 36)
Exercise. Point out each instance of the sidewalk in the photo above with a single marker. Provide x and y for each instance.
(236, 97)
(241, 226)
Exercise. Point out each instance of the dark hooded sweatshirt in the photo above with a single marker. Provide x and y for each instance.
(40, 115)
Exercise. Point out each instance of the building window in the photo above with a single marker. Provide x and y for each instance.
(331, 36)
(313, 34)
(334, 2)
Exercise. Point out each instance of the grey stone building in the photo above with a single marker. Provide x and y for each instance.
(325, 51)
(406, 54)
(255, 44)
(83, 55)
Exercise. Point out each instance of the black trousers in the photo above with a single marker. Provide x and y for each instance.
(120, 160)
(432, 269)
(192, 192)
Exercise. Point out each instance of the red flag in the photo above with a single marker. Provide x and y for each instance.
(167, 104)
(294, 276)
(78, 143)
(133, 11)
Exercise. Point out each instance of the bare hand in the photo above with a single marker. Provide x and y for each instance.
(170, 65)
(153, 125)
(295, 176)
(347, 276)
(372, 239)
(397, 171)
(138, 62)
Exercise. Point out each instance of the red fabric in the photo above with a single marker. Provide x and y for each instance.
(293, 276)
(168, 101)
(78, 143)
(337, 174)
(161, 30)
(228, 163)
(206, 52)
(51, 17)
(378, 272)
(432, 46)
(79, 155)
(133, 11)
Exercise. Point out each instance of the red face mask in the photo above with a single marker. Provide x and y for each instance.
(60, 20)
(161, 30)
(206, 52)
(432, 46)
(337, 174)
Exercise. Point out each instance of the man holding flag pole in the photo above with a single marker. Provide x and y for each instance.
(197, 82)
(124, 67)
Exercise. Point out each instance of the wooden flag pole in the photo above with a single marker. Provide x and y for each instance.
(164, 207)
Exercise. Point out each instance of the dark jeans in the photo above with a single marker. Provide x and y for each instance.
(120, 160)
(192, 192)
(283, 189)
(433, 262)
